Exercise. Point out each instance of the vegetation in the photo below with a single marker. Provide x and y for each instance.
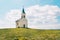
(29, 34)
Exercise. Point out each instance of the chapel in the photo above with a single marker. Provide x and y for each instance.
(22, 22)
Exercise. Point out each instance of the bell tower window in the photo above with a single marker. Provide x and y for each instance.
(24, 16)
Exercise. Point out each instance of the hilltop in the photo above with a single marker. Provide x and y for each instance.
(29, 34)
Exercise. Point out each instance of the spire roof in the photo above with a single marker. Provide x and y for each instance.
(23, 11)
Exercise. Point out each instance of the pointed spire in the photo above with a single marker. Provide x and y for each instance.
(23, 10)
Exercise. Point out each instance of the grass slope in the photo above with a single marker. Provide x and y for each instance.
(29, 34)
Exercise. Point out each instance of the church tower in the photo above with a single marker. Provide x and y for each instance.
(22, 22)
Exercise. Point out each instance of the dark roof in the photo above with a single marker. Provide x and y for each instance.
(23, 11)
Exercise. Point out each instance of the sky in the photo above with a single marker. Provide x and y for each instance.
(41, 14)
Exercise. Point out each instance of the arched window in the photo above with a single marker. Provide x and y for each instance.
(24, 16)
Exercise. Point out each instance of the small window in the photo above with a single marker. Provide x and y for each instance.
(24, 16)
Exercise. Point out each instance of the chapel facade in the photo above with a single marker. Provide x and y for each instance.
(22, 22)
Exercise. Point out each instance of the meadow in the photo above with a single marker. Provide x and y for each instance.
(29, 34)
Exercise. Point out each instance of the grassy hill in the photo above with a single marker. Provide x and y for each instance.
(29, 34)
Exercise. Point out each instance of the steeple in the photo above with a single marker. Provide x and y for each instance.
(23, 11)
(22, 23)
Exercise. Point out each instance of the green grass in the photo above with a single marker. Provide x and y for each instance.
(29, 34)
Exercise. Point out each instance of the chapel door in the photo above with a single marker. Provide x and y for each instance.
(24, 25)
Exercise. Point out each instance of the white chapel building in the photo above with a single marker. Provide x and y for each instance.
(22, 22)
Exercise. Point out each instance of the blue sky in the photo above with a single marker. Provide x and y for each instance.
(7, 5)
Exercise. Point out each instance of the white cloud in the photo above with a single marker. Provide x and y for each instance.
(6, 24)
(42, 17)
(13, 15)
(10, 18)
(43, 14)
